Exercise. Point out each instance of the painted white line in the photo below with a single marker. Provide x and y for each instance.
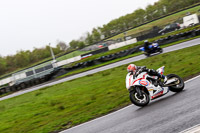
(121, 110)
(192, 79)
(194, 129)
(96, 119)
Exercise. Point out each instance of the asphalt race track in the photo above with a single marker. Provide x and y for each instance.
(171, 113)
(126, 61)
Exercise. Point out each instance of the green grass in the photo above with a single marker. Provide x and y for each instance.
(70, 103)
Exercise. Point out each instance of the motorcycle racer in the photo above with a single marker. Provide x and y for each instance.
(136, 70)
(145, 84)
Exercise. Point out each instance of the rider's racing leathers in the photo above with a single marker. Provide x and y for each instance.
(151, 72)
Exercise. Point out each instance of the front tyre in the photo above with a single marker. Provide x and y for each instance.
(139, 101)
(179, 84)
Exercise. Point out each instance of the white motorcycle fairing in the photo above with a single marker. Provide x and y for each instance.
(141, 80)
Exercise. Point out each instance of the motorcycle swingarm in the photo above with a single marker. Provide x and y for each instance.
(171, 80)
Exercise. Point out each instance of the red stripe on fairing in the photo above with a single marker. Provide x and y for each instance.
(139, 79)
(158, 94)
(130, 80)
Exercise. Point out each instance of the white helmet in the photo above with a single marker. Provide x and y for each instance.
(132, 68)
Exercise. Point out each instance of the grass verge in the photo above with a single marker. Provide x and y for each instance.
(70, 103)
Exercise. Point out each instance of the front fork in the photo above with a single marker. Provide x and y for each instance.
(139, 92)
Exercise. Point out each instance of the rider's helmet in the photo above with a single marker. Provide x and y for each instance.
(132, 68)
(146, 42)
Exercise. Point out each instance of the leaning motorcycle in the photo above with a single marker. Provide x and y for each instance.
(143, 88)
(154, 48)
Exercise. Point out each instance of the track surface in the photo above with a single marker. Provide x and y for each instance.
(126, 61)
(171, 113)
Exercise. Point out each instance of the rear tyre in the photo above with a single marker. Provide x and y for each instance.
(160, 50)
(139, 101)
(179, 84)
(147, 54)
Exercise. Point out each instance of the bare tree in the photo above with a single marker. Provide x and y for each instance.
(63, 46)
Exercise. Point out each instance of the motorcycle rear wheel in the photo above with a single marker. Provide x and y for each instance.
(180, 83)
(161, 50)
(147, 54)
(139, 101)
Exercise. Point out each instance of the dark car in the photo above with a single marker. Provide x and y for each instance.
(169, 28)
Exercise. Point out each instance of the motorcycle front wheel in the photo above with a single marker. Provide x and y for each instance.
(139, 101)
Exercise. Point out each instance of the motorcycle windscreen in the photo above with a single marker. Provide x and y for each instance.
(161, 70)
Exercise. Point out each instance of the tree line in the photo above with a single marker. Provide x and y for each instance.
(138, 17)
(162, 7)
(26, 58)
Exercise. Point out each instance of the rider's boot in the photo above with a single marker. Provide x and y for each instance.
(164, 80)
